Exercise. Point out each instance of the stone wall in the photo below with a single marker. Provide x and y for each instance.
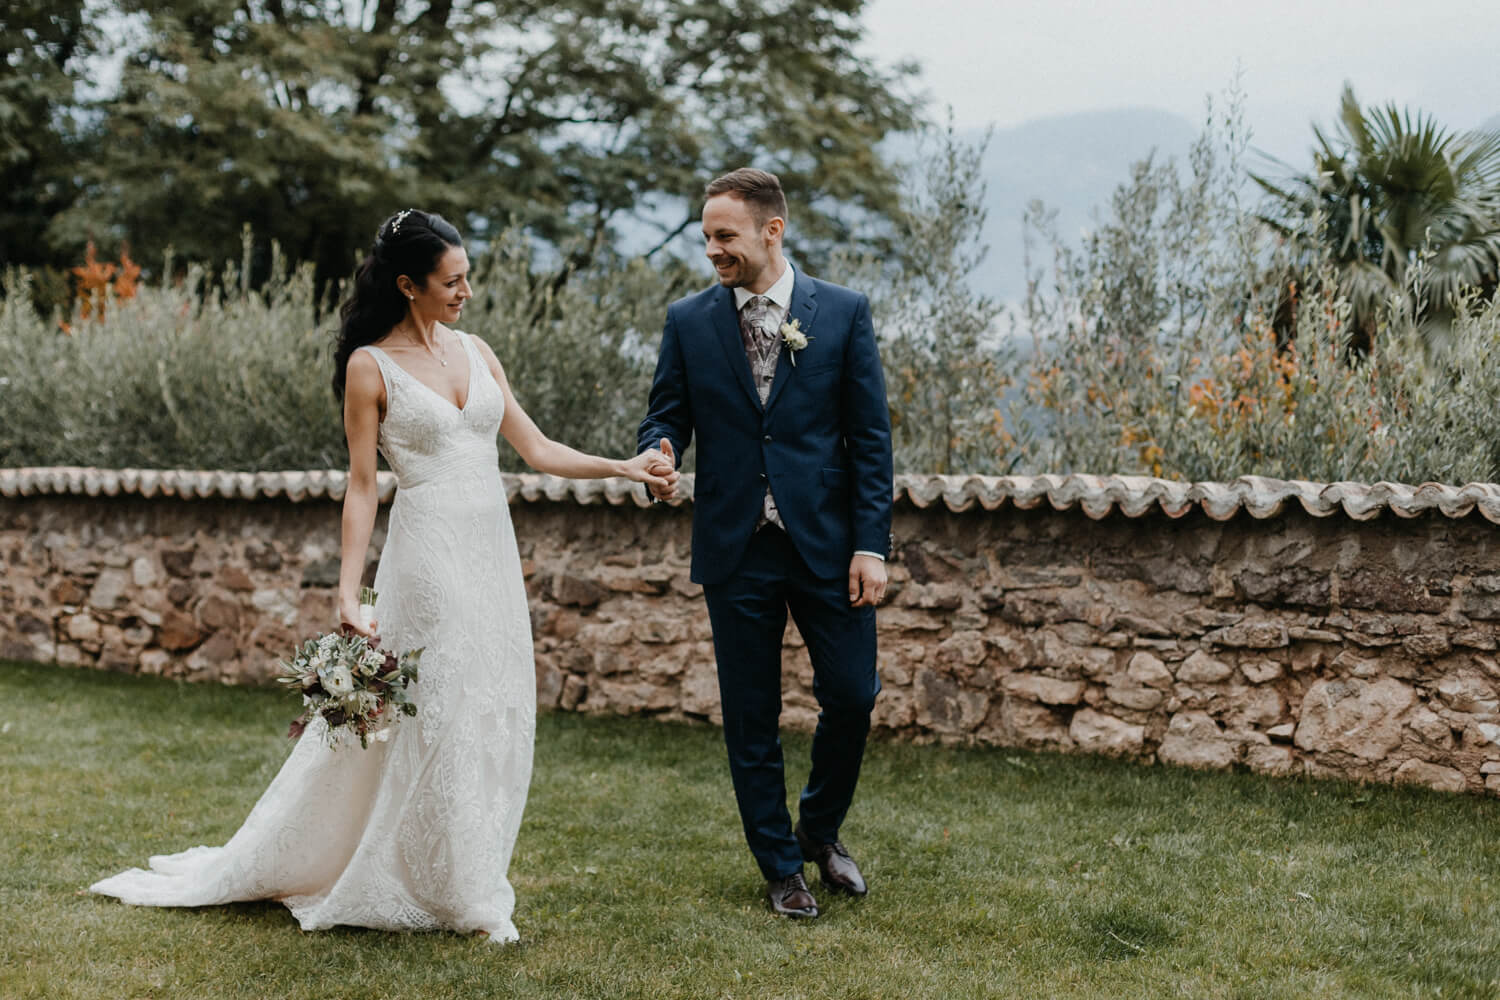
(1353, 636)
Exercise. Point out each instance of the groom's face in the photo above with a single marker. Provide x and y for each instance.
(739, 250)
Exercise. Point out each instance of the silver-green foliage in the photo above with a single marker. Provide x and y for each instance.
(213, 374)
(947, 359)
(187, 374)
(1159, 350)
(210, 373)
(1119, 323)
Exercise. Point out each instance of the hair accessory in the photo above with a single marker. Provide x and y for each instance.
(400, 218)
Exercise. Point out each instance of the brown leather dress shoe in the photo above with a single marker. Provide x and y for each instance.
(790, 897)
(837, 868)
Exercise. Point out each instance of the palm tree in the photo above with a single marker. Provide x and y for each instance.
(1387, 187)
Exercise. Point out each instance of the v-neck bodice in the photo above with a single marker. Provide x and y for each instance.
(425, 437)
(416, 832)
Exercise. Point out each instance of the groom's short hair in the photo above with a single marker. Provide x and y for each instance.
(758, 189)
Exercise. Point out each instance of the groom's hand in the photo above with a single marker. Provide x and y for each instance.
(668, 462)
(867, 581)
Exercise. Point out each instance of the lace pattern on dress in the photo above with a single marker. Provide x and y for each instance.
(415, 833)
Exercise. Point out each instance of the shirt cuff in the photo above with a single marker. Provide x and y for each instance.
(862, 552)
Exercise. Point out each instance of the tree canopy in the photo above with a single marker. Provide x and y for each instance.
(45, 45)
(310, 119)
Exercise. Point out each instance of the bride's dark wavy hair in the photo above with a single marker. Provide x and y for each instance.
(410, 243)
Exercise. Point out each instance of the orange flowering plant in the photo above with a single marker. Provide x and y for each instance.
(99, 281)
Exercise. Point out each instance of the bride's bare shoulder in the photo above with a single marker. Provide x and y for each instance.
(363, 374)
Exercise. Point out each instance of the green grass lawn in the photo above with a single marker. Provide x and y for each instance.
(993, 873)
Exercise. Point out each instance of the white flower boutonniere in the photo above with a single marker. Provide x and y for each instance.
(793, 337)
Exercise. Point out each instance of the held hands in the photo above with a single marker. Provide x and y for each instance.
(867, 580)
(656, 469)
(663, 465)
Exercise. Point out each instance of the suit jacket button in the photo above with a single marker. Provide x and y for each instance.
(767, 439)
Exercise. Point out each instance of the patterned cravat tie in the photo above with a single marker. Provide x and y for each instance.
(760, 343)
(763, 350)
(753, 323)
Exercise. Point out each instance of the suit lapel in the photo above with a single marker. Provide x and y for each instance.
(726, 323)
(803, 308)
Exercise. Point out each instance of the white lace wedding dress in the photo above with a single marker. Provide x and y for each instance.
(414, 833)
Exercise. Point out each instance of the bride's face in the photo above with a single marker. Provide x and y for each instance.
(441, 298)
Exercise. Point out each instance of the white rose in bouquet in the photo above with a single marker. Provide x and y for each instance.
(337, 680)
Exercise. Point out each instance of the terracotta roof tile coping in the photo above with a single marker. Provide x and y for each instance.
(1096, 496)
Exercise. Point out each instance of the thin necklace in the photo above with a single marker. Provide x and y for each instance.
(441, 359)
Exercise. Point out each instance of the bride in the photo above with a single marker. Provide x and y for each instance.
(414, 833)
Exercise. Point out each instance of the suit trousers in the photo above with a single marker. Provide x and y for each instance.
(748, 613)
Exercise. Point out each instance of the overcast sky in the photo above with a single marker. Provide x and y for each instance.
(1010, 61)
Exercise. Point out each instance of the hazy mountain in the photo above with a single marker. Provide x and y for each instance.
(1073, 163)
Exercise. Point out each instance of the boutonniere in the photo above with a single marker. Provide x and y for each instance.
(793, 337)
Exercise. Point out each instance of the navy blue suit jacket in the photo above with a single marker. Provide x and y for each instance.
(822, 441)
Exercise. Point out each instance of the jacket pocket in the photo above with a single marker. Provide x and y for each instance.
(820, 369)
(836, 479)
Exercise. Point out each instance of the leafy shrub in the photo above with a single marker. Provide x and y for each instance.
(1158, 349)
(948, 361)
(189, 373)
(206, 372)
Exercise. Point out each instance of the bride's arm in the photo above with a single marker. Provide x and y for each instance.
(546, 455)
(364, 390)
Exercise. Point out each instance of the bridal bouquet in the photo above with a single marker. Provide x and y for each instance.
(354, 685)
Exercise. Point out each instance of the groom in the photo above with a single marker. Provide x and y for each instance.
(779, 376)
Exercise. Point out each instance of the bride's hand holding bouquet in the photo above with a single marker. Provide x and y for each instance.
(357, 615)
(349, 681)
